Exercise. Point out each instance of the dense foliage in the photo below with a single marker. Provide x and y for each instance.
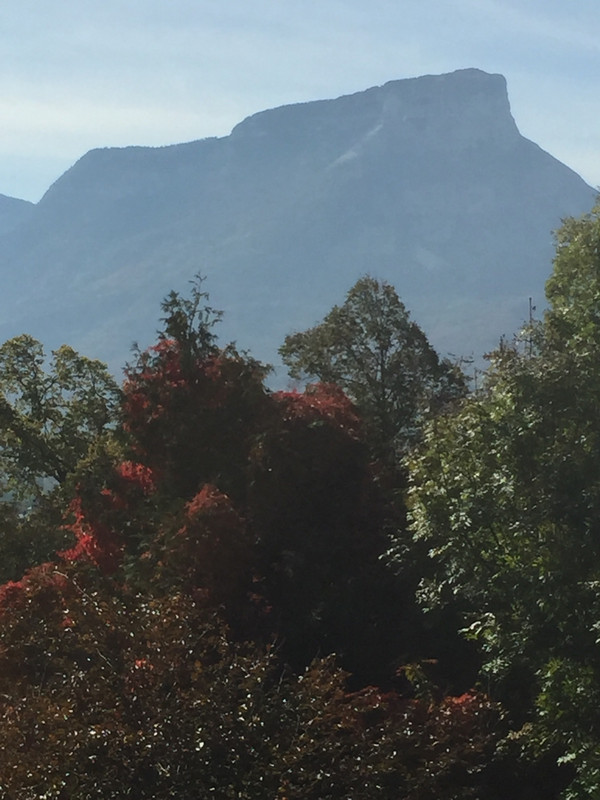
(52, 413)
(108, 694)
(49, 417)
(250, 601)
(381, 358)
(506, 496)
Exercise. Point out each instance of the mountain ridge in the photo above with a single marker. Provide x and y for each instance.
(425, 182)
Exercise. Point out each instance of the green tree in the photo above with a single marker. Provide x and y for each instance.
(371, 348)
(50, 414)
(382, 360)
(189, 321)
(506, 497)
(53, 413)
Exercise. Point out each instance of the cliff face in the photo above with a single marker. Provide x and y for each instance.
(425, 182)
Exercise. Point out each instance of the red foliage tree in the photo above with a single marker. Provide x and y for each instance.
(193, 420)
(306, 519)
(117, 674)
(207, 552)
(106, 693)
(102, 515)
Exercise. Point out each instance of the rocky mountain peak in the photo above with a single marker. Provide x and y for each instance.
(461, 108)
(455, 109)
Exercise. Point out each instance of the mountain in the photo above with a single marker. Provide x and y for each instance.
(13, 212)
(425, 182)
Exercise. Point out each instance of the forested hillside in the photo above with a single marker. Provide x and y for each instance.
(382, 585)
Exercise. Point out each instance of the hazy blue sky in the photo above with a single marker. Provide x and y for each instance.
(78, 74)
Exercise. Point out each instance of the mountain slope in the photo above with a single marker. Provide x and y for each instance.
(13, 212)
(425, 182)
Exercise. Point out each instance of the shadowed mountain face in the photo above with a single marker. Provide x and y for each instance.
(13, 212)
(424, 182)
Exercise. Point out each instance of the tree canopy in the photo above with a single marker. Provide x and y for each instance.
(371, 348)
(506, 497)
(51, 414)
(54, 412)
(240, 607)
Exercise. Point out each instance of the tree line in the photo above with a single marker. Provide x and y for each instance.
(382, 583)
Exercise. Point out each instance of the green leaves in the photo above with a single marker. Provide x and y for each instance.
(505, 493)
(371, 349)
(573, 320)
(53, 414)
(189, 322)
(49, 416)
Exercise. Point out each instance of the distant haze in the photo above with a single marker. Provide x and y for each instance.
(425, 182)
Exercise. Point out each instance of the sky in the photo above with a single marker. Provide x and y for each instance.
(81, 74)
